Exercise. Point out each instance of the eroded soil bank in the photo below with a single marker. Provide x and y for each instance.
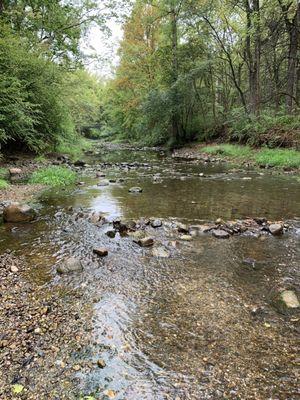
(192, 316)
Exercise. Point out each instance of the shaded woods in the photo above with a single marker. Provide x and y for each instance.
(187, 70)
(199, 69)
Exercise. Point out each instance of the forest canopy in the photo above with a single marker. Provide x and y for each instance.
(188, 70)
(46, 95)
(198, 69)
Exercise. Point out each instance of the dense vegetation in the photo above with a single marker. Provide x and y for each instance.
(188, 70)
(199, 69)
(46, 95)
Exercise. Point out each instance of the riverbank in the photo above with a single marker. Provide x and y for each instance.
(282, 159)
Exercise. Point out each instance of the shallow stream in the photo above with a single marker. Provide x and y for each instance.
(181, 327)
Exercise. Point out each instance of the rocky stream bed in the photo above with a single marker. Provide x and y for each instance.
(155, 277)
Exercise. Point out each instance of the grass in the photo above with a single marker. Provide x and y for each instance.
(74, 149)
(54, 176)
(3, 173)
(228, 150)
(278, 158)
(3, 184)
(273, 157)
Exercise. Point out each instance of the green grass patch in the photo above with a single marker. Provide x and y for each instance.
(229, 150)
(3, 184)
(278, 158)
(54, 176)
(273, 157)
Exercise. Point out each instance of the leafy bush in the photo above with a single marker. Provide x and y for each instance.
(54, 176)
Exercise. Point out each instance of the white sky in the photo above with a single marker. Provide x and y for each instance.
(104, 48)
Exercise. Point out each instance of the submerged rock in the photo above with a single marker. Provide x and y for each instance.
(136, 189)
(70, 265)
(182, 228)
(276, 229)
(111, 234)
(186, 238)
(156, 223)
(103, 183)
(220, 234)
(16, 212)
(160, 252)
(101, 251)
(144, 242)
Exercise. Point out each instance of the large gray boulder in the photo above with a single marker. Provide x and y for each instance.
(70, 265)
(16, 212)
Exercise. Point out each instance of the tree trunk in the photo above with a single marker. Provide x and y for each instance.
(174, 38)
(292, 62)
(253, 53)
(292, 28)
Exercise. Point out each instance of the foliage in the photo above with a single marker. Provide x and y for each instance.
(3, 184)
(54, 176)
(46, 98)
(199, 69)
(74, 148)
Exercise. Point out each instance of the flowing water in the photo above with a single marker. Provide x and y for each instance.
(181, 327)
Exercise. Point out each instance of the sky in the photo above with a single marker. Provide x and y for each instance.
(104, 48)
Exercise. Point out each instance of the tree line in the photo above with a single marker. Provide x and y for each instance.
(46, 95)
(208, 68)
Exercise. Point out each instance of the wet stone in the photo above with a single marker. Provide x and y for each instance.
(182, 228)
(160, 252)
(103, 183)
(16, 212)
(70, 265)
(100, 251)
(286, 301)
(111, 234)
(101, 363)
(156, 223)
(276, 229)
(220, 234)
(136, 189)
(144, 242)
